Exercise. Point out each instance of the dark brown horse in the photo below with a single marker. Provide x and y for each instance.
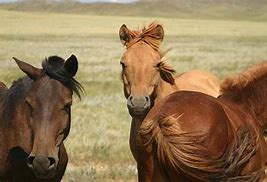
(190, 136)
(35, 119)
(147, 78)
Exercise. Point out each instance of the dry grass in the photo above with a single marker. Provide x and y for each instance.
(255, 10)
(98, 142)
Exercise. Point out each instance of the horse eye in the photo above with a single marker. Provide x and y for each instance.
(122, 65)
(158, 64)
(67, 107)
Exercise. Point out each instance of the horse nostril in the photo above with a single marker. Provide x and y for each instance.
(52, 161)
(30, 160)
(130, 101)
(147, 98)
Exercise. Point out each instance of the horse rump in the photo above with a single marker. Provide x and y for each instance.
(185, 154)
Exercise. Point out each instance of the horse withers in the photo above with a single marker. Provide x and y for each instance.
(35, 116)
(191, 136)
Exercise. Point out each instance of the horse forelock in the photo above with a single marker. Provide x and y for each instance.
(147, 35)
(54, 68)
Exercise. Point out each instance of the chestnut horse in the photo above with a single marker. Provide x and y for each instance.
(35, 119)
(147, 78)
(191, 136)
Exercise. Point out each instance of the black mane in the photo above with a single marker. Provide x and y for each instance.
(53, 66)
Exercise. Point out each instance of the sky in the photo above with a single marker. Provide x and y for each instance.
(4, 1)
(86, 1)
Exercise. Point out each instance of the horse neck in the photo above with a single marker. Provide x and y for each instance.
(13, 103)
(164, 88)
(14, 120)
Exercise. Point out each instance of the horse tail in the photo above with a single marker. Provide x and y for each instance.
(184, 152)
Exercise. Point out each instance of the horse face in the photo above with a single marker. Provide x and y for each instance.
(49, 104)
(142, 69)
(140, 76)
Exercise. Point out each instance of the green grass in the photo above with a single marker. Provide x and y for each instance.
(98, 143)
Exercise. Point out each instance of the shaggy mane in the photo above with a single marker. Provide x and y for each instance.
(240, 82)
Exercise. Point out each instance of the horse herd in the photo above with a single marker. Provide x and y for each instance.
(190, 127)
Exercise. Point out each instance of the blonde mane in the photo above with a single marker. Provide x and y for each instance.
(238, 83)
(149, 35)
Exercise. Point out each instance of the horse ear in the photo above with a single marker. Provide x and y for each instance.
(159, 32)
(71, 65)
(166, 73)
(31, 71)
(124, 34)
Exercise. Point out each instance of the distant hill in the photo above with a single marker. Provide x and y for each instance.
(255, 10)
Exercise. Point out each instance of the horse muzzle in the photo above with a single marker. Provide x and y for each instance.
(43, 167)
(138, 105)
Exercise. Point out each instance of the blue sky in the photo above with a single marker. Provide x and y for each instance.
(87, 1)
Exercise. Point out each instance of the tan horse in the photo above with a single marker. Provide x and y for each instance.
(147, 78)
(191, 136)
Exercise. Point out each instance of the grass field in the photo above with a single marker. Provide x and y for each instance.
(255, 10)
(98, 143)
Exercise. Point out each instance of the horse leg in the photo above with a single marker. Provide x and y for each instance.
(264, 144)
(159, 175)
(255, 166)
(145, 164)
(149, 169)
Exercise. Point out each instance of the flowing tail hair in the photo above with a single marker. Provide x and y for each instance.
(185, 151)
